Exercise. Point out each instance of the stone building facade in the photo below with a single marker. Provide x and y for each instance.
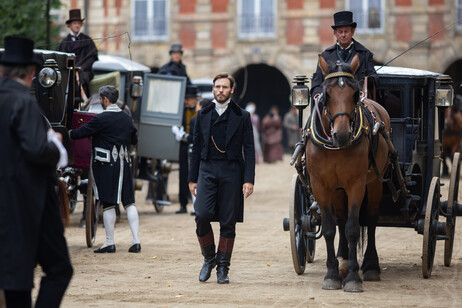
(265, 43)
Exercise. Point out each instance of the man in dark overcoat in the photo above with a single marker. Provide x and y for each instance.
(31, 228)
(85, 51)
(175, 66)
(113, 132)
(344, 51)
(221, 174)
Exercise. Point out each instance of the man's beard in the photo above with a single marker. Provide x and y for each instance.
(223, 99)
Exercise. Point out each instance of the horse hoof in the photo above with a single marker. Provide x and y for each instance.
(331, 284)
(371, 276)
(353, 286)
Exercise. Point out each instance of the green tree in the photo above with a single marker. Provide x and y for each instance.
(28, 18)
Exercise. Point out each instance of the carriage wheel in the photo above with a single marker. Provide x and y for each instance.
(452, 200)
(431, 218)
(91, 213)
(303, 249)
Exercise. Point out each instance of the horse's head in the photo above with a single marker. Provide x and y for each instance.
(340, 99)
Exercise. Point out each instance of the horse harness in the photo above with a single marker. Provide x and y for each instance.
(361, 118)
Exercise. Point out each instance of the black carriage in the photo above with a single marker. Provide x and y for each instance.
(411, 197)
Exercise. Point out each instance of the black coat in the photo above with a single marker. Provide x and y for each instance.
(85, 54)
(174, 69)
(112, 133)
(28, 163)
(239, 141)
(366, 66)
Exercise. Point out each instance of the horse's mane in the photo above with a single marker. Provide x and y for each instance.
(346, 68)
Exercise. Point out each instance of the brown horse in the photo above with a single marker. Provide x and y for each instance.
(452, 133)
(341, 162)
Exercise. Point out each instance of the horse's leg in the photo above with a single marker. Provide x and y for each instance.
(332, 280)
(370, 266)
(353, 283)
(342, 251)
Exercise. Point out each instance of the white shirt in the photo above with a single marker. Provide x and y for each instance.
(220, 108)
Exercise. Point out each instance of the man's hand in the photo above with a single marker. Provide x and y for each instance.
(247, 189)
(192, 188)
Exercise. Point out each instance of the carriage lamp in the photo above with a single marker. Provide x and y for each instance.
(300, 96)
(444, 96)
(49, 75)
(137, 87)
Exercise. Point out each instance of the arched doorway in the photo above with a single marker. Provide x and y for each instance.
(265, 86)
(455, 71)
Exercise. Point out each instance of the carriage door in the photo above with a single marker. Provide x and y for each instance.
(161, 108)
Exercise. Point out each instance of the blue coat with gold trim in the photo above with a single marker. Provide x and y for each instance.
(112, 134)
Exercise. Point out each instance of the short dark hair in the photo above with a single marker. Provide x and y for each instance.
(231, 79)
(110, 92)
(16, 70)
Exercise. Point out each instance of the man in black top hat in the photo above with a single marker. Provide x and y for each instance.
(344, 50)
(31, 228)
(175, 66)
(85, 52)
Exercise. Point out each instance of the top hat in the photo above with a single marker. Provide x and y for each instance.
(19, 50)
(74, 15)
(176, 48)
(192, 91)
(343, 18)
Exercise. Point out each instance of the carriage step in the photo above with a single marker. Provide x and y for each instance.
(415, 198)
(441, 237)
(410, 183)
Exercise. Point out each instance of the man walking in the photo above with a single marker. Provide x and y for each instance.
(31, 228)
(221, 174)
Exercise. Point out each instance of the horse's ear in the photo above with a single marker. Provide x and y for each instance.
(354, 63)
(323, 65)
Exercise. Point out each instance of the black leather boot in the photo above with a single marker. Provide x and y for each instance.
(209, 262)
(207, 243)
(223, 262)
(225, 249)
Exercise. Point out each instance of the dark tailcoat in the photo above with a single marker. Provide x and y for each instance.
(85, 54)
(112, 134)
(366, 66)
(27, 170)
(175, 69)
(239, 145)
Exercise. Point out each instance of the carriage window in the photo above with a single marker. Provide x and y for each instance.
(391, 99)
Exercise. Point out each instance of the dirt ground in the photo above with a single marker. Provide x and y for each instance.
(165, 273)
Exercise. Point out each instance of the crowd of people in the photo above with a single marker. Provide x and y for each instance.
(220, 143)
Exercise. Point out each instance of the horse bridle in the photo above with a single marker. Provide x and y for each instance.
(341, 82)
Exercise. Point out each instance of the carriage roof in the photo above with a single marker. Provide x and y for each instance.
(404, 72)
(114, 63)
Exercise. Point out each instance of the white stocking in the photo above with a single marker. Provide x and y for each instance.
(133, 221)
(109, 218)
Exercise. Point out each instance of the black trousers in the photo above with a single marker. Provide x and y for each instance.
(184, 166)
(53, 257)
(219, 193)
